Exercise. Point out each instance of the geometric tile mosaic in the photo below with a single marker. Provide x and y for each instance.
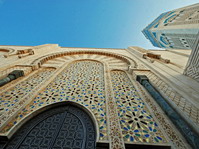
(137, 123)
(81, 82)
(13, 98)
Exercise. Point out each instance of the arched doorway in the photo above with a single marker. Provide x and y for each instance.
(66, 127)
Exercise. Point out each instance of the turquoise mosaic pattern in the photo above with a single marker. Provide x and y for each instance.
(136, 121)
(81, 82)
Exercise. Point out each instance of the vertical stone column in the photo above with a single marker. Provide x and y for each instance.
(115, 134)
(192, 68)
(190, 135)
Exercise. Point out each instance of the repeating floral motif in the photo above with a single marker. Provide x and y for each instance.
(136, 121)
(81, 82)
(170, 130)
(13, 98)
(116, 138)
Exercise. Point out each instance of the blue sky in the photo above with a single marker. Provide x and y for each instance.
(81, 23)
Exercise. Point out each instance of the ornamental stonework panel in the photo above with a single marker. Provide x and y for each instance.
(183, 104)
(60, 127)
(81, 82)
(176, 139)
(14, 98)
(115, 133)
(137, 123)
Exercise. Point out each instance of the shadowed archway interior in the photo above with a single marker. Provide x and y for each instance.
(66, 127)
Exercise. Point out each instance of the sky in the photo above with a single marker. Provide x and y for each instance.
(81, 23)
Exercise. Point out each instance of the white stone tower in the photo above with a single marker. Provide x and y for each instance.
(176, 29)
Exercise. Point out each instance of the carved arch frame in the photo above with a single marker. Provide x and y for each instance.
(37, 63)
(16, 127)
(13, 130)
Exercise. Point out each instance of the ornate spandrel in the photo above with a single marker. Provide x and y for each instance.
(14, 98)
(81, 82)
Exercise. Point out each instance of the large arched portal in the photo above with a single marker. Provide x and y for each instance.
(66, 127)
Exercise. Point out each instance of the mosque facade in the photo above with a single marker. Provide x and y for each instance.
(87, 98)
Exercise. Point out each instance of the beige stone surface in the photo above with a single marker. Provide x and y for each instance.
(47, 62)
(178, 58)
(171, 82)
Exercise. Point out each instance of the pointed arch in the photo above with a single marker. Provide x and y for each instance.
(41, 60)
(66, 116)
